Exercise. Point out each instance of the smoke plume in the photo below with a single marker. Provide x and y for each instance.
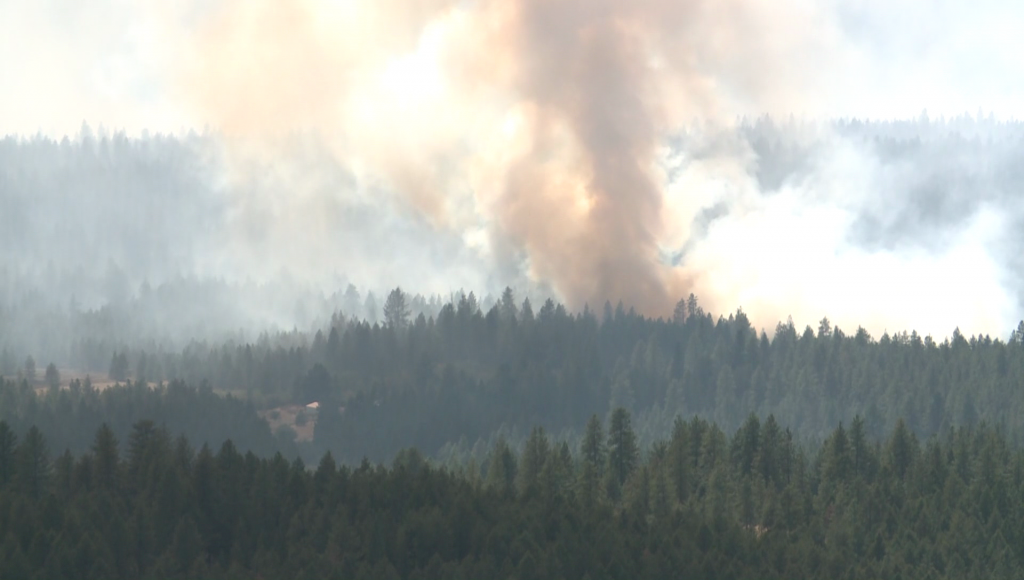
(600, 148)
(538, 122)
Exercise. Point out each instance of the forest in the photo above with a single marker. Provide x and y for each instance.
(701, 503)
(450, 385)
(523, 444)
(165, 417)
(110, 241)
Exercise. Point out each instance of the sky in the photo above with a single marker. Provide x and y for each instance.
(125, 64)
(540, 139)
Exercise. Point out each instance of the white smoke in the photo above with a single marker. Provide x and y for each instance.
(589, 147)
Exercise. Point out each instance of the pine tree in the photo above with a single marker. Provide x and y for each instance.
(593, 460)
(30, 369)
(34, 467)
(901, 449)
(107, 458)
(118, 367)
(534, 456)
(623, 452)
(396, 310)
(8, 454)
(52, 377)
(502, 467)
(147, 446)
(507, 305)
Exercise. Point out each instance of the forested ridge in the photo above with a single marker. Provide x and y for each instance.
(121, 241)
(454, 381)
(513, 443)
(69, 417)
(702, 503)
(416, 302)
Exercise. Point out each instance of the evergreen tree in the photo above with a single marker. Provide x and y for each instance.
(508, 305)
(33, 460)
(118, 367)
(396, 310)
(52, 377)
(593, 461)
(623, 451)
(901, 449)
(593, 449)
(8, 454)
(533, 459)
(30, 369)
(502, 468)
(106, 458)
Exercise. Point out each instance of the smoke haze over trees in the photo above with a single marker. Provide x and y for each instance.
(542, 288)
(116, 238)
(451, 384)
(583, 151)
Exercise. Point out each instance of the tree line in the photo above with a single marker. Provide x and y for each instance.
(467, 375)
(701, 503)
(70, 416)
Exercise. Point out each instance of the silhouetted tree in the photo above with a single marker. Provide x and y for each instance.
(396, 310)
(52, 376)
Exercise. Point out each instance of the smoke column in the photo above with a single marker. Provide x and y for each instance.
(543, 120)
(587, 146)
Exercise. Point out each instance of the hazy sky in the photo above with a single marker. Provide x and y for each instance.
(534, 131)
(125, 64)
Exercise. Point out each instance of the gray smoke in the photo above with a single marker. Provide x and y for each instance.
(592, 150)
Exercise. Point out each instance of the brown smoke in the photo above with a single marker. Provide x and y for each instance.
(551, 115)
(582, 68)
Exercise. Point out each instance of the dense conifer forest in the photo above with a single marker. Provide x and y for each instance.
(450, 384)
(702, 503)
(511, 290)
(514, 443)
(164, 416)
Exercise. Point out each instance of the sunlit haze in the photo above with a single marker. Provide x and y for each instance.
(593, 150)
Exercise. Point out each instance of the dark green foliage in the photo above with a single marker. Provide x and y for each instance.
(623, 452)
(8, 444)
(33, 464)
(70, 418)
(503, 467)
(534, 458)
(458, 373)
(702, 504)
(315, 386)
